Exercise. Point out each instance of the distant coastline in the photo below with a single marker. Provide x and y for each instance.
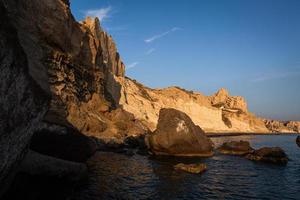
(246, 134)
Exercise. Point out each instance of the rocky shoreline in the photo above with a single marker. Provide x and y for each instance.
(247, 134)
(64, 96)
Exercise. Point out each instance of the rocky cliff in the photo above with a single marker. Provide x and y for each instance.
(276, 126)
(57, 83)
(74, 63)
(219, 113)
(63, 80)
(22, 102)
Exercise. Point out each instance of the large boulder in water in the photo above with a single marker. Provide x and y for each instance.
(235, 148)
(177, 135)
(298, 141)
(273, 155)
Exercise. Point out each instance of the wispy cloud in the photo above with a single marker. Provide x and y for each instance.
(158, 36)
(101, 13)
(132, 65)
(276, 76)
(150, 51)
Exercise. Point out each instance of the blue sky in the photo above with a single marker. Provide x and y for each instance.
(250, 47)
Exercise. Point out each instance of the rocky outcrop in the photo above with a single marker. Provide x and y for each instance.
(219, 113)
(58, 72)
(191, 168)
(177, 135)
(231, 103)
(282, 127)
(273, 155)
(76, 64)
(235, 148)
(22, 102)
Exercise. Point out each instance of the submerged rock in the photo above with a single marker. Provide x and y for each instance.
(235, 148)
(269, 154)
(191, 168)
(177, 135)
(298, 141)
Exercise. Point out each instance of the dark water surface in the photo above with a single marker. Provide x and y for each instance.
(117, 176)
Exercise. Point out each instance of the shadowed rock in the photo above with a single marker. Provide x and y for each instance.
(235, 148)
(273, 155)
(64, 143)
(22, 102)
(41, 165)
(177, 135)
(298, 141)
(191, 168)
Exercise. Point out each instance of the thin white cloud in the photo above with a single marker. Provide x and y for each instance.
(150, 51)
(101, 13)
(276, 76)
(158, 36)
(132, 65)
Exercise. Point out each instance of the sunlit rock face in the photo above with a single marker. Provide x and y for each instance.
(74, 63)
(177, 135)
(223, 99)
(216, 114)
(55, 70)
(282, 127)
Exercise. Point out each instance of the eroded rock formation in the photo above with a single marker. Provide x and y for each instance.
(56, 72)
(276, 126)
(219, 113)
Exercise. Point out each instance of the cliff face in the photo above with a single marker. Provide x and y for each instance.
(218, 113)
(22, 102)
(57, 75)
(74, 63)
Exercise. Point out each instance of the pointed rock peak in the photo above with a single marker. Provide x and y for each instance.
(94, 25)
(222, 92)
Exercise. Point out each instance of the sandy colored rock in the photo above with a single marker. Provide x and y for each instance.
(191, 168)
(273, 155)
(235, 148)
(145, 103)
(282, 127)
(177, 135)
(224, 100)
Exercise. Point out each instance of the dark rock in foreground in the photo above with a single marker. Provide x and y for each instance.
(191, 168)
(64, 143)
(235, 148)
(273, 155)
(37, 164)
(177, 135)
(298, 141)
(22, 103)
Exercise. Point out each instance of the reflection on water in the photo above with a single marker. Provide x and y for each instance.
(117, 176)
